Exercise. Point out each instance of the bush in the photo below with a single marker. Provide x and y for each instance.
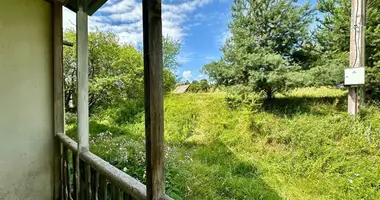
(239, 95)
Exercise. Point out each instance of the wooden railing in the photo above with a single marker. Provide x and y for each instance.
(91, 178)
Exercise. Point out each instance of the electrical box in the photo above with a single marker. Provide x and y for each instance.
(354, 76)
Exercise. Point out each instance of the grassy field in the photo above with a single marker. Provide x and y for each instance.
(301, 145)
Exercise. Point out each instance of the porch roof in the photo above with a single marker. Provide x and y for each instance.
(93, 5)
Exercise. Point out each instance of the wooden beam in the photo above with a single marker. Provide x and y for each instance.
(59, 106)
(154, 112)
(67, 43)
(82, 73)
(95, 5)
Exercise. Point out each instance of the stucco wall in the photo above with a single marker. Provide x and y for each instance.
(26, 109)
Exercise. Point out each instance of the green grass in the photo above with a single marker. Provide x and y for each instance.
(301, 145)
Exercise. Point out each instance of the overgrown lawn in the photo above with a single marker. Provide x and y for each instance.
(301, 145)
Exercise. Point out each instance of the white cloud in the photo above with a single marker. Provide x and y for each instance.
(185, 57)
(124, 17)
(221, 39)
(187, 75)
(209, 58)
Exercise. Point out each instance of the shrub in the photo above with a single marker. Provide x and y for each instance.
(239, 95)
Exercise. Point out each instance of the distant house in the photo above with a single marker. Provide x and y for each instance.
(181, 89)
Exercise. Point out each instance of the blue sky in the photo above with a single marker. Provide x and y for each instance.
(200, 25)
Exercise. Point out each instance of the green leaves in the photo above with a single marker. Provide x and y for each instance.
(171, 50)
(116, 70)
(334, 38)
(265, 45)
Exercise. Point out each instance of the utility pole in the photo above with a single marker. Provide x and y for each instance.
(357, 51)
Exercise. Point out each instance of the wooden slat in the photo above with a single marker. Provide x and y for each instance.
(83, 182)
(127, 196)
(116, 176)
(124, 181)
(62, 173)
(119, 195)
(64, 166)
(67, 174)
(154, 113)
(114, 192)
(102, 188)
(75, 177)
(59, 109)
(95, 184)
(88, 182)
(69, 181)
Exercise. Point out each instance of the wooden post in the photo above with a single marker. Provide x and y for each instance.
(82, 73)
(82, 77)
(357, 50)
(59, 106)
(154, 112)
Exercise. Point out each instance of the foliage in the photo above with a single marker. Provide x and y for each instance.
(265, 45)
(115, 70)
(239, 96)
(272, 53)
(201, 86)
(301, 146)
(171, 49)
(333, 35)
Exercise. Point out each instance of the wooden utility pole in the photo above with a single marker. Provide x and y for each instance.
(357, 51)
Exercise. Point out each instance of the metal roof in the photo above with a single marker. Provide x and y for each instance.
(93, 5)
(181, 89)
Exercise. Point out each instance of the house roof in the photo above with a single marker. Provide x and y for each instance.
(181, 89)
(93, 5)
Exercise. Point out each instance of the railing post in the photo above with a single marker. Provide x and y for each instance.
(154, 113)
(59, 107)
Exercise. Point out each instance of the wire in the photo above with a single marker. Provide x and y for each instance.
(355, 31)
(356, 26)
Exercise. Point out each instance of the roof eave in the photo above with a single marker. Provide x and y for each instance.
(93, 5)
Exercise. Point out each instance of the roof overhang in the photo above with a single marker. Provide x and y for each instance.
(92, 7)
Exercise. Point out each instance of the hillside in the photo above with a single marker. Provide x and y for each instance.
(301, 145)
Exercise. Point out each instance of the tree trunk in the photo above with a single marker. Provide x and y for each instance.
(269, 93)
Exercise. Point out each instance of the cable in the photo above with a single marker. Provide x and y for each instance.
(355, 31)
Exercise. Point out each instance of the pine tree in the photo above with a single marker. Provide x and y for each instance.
(267, 37)
(334, 39)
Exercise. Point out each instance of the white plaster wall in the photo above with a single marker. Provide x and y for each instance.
(26, 94)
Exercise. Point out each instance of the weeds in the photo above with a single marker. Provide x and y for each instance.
(302, 145)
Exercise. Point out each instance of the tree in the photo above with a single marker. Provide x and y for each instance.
(171, 49)
(194, 86)
(334, 36)
(203, 85)
(265, 45)
(115, 71)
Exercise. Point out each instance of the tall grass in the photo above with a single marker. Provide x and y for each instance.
(301, 145)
